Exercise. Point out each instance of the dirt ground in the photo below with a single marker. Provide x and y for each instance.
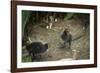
(52, 36)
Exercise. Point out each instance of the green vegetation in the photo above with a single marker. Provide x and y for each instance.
(26, 59)
(69, 16)
(25, 18)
